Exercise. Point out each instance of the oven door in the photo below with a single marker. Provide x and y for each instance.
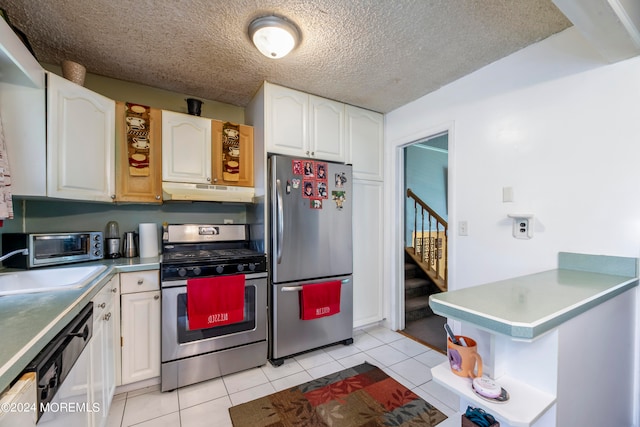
(179, 342)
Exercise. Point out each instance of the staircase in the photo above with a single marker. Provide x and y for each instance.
(417, 288)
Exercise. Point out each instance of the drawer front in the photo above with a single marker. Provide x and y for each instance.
(139, 281)
(101, 301)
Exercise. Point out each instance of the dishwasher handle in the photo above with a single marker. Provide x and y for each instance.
(84, 334)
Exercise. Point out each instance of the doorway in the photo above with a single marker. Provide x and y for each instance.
(425, 175)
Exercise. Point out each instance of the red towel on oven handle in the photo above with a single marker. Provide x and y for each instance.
(320, 300)
(215, 301)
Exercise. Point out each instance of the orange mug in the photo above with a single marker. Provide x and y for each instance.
(464, 359)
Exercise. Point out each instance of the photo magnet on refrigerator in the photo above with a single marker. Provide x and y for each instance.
(339, 197)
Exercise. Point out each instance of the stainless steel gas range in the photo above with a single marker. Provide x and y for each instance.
(220, 252)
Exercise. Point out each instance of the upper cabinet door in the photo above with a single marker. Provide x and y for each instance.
(326, 129)
(286, 115)
(186, 148)
(80, 142)
(232, 164)
(138, 163)
(365, 138)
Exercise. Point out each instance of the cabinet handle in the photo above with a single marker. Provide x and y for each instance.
(208, 179)
(313, 153)
(307, 152)
(158, 197)
(103, 305)
(156, 297)
(107, 316)
(114, 290)
(113, 197)
(140, 281)
(215, 179)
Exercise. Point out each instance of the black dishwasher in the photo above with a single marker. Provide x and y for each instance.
(53, 364)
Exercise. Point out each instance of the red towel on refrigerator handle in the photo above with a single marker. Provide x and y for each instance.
(215, 301)
(320, 300)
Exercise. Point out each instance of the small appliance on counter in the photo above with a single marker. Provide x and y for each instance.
(112, 240)
(130, 244)
(49, 249)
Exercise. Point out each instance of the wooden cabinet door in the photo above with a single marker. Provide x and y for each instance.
(221, 157)
(80, 142)
(286, 121)
(365, 140)
(326, 129)
(186, 148)
(140, 324)
(138, 170)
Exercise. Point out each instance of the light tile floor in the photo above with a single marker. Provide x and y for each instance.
(207, 403)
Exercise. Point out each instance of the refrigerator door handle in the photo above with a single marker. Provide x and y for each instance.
(280, 215)
(299, 288)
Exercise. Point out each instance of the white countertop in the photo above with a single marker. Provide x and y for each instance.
(29, 321)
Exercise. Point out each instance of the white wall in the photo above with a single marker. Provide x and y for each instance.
(558, 125)
(561, 127)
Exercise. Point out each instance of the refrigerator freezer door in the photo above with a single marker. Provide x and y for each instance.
(310, 237)
(291, 335)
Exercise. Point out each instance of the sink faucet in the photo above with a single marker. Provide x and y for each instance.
(24, 251)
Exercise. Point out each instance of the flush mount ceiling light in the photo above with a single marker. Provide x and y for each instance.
(274, 36)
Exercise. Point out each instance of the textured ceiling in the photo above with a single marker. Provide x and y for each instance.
(376, 54)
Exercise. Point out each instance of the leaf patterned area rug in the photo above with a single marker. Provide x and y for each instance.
(362, 396)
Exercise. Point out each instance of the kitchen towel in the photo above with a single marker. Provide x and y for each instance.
(6, 202)
(148, 239)
(320, 300)
(215, 301)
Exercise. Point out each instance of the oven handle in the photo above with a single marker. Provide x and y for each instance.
(280, 215)
(299, 288)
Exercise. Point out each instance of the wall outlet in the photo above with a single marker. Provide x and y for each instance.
(522, 226)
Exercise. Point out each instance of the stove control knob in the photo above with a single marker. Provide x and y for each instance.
(182, 272)
(252, 266)
(219, 269)
(240, 267)
(197, 271)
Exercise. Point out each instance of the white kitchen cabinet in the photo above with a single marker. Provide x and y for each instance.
(364, 140)
(80, 142)
(368, 257)
(186, 148)
(286, 120)
(21, 394)
(140, 325)
(301, 125)
(326, 129)
(22, 111)
(102, 347)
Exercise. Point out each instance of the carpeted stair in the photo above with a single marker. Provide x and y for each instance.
(416, 292)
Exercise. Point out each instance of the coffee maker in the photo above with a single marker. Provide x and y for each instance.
(112, 240)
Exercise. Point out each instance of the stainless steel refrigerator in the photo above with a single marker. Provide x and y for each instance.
(310, 216)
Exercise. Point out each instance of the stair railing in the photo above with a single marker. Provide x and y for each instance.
(430, 242)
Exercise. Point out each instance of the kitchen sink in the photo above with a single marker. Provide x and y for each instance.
(48, 279)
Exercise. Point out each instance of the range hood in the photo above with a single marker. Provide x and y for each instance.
(206, 193)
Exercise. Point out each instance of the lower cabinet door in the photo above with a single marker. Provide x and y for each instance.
(140, 325)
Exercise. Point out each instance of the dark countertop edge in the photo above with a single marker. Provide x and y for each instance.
(19, 361)
(528, 331)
